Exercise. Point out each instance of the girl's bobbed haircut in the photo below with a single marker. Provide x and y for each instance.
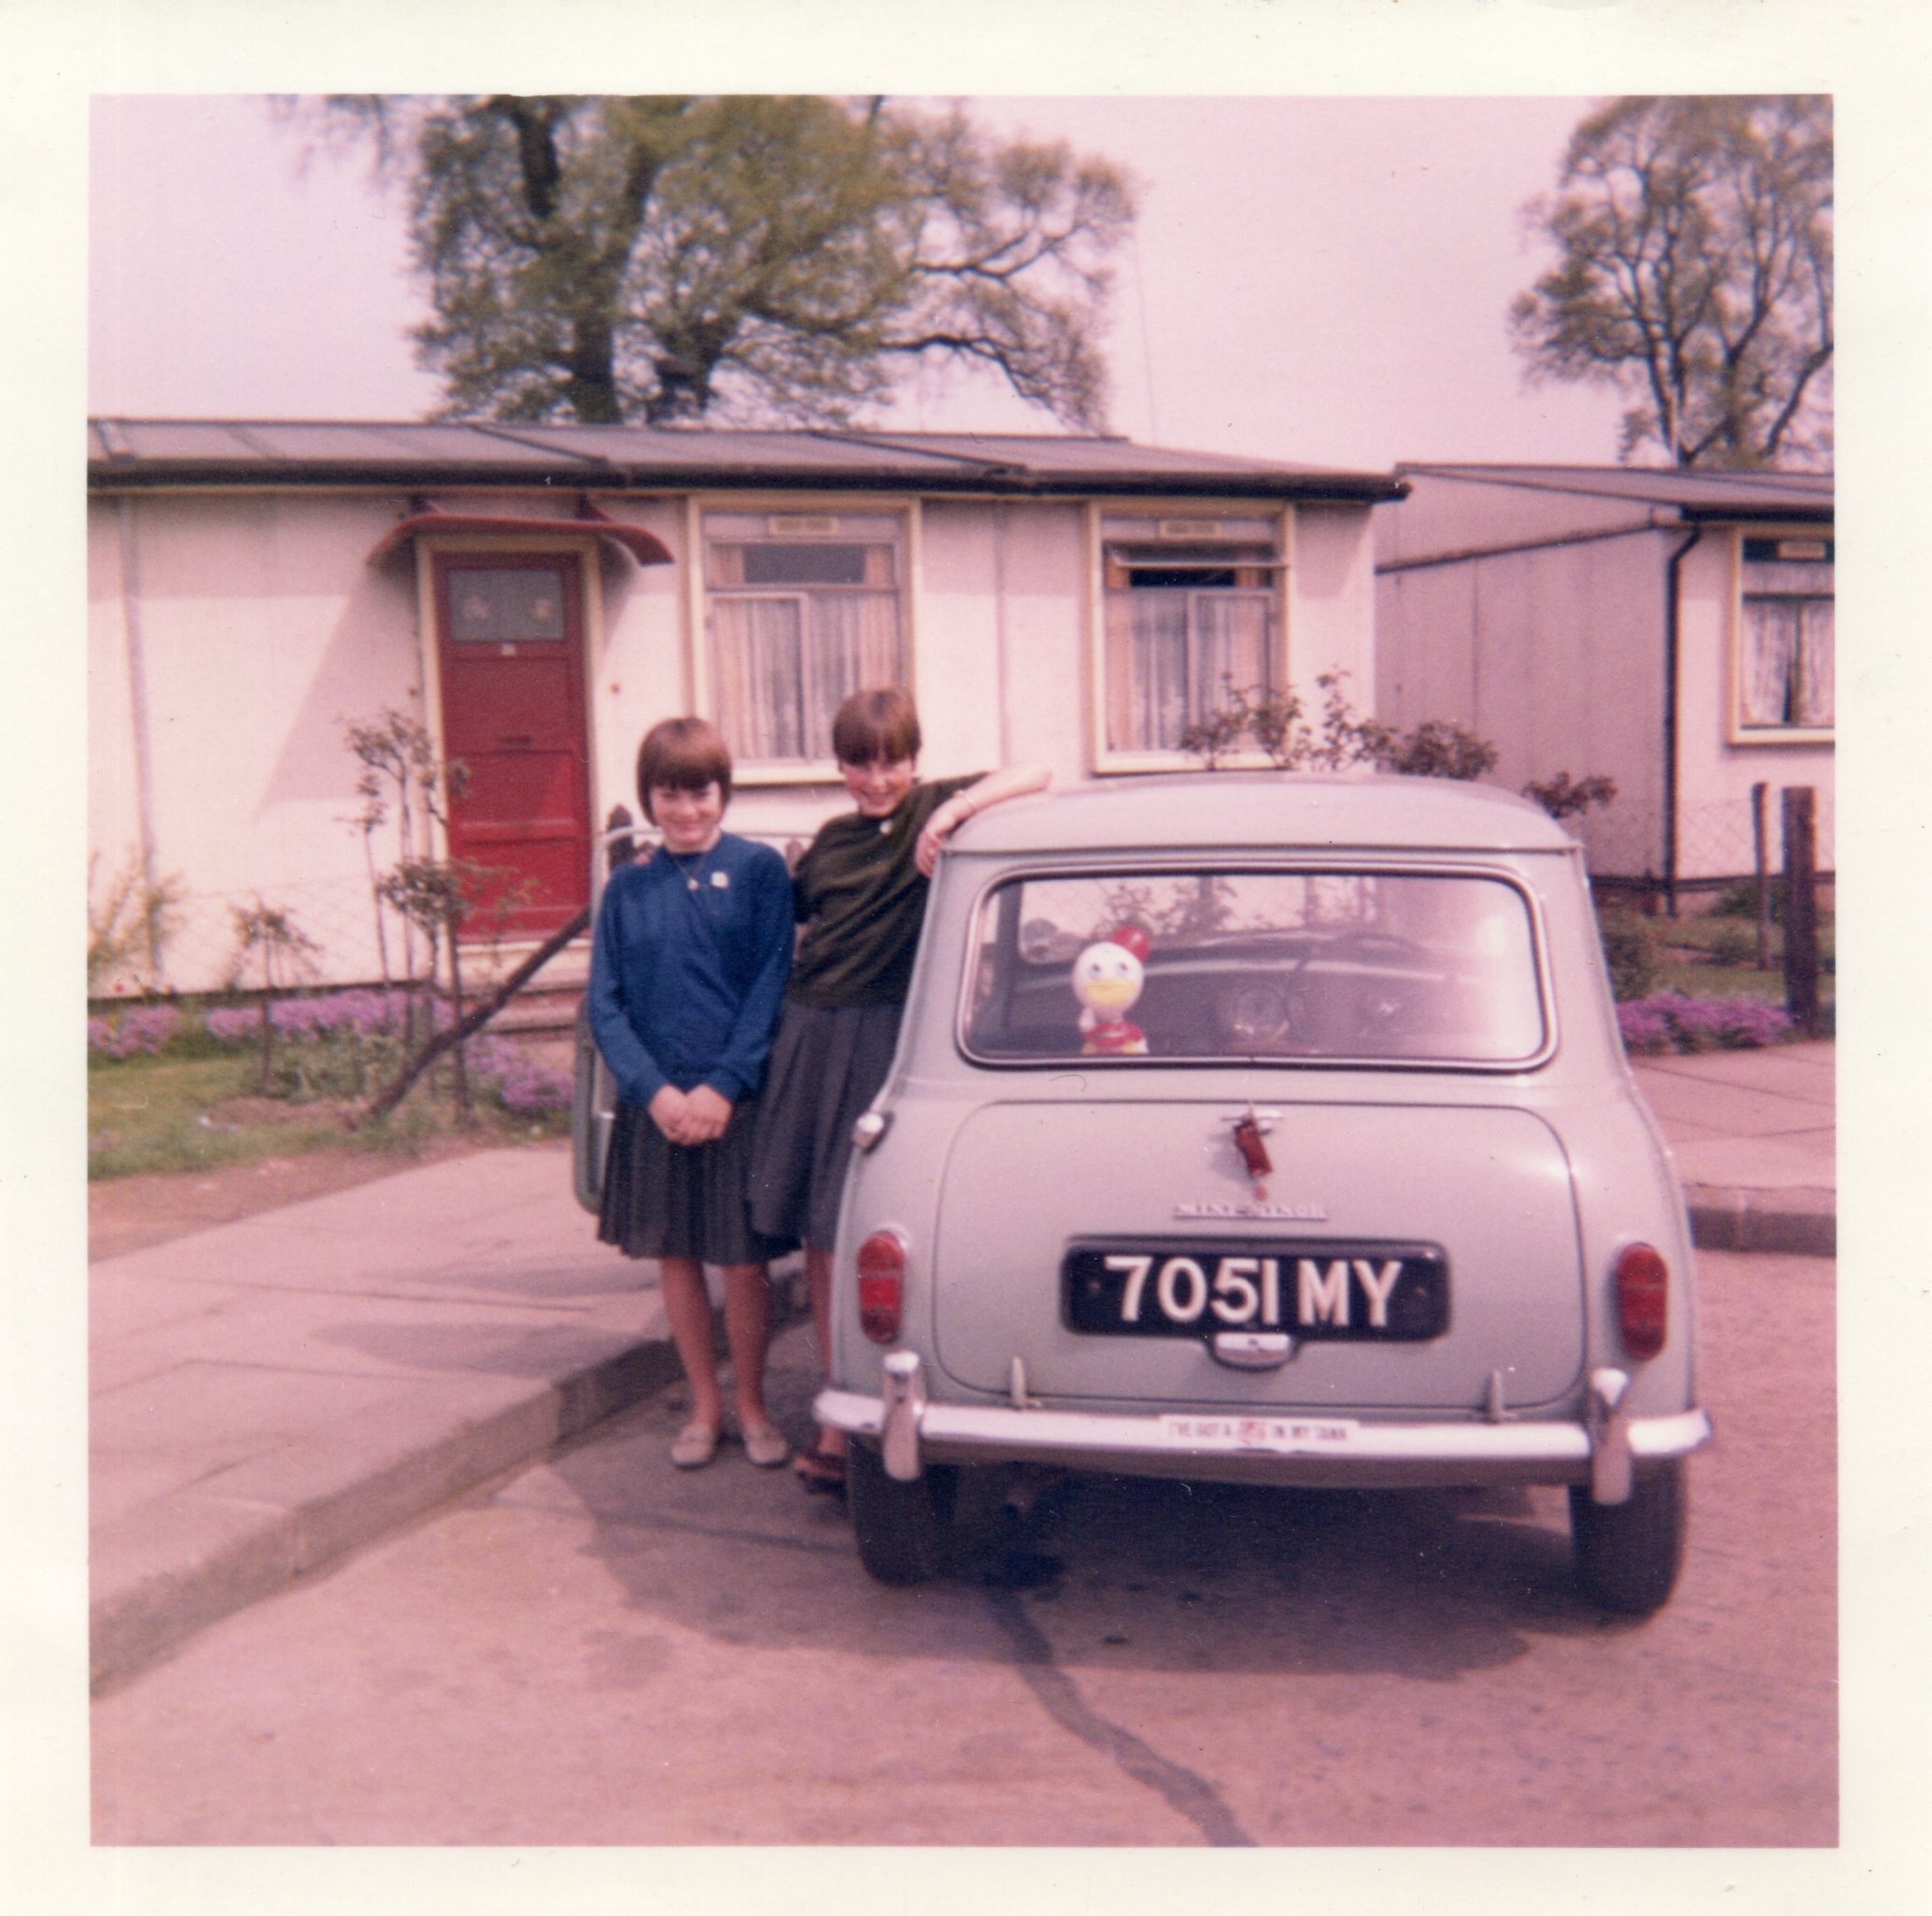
(683, 755)
(876, 728)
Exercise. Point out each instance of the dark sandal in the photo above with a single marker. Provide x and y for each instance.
(820, 1471)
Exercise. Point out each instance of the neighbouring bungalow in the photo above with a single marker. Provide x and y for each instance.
(536, 596)
(1670, 629)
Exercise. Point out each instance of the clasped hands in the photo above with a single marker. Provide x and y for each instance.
(693, 1117)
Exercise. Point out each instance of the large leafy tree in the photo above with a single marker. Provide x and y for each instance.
(744, 258)
(1694, 270)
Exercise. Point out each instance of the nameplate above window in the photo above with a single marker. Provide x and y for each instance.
(1760, 552)
(1178, 557)
(801, 525)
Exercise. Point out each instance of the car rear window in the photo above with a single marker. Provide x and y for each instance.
(1134, 966)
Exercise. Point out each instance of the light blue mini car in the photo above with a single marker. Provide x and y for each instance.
(1266, 1129)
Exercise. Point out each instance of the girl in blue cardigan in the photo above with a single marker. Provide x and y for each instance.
(692, 951)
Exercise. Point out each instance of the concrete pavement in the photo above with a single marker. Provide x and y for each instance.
(1755, 1134)
(269, 1394)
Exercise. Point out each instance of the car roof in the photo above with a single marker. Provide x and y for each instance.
(1268, 810)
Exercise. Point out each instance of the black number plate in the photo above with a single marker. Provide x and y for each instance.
(1396, 1293)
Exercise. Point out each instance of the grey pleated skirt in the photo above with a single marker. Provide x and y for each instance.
(826, 1067)
(663, 1200)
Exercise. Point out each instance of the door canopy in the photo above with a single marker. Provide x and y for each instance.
(646, 548)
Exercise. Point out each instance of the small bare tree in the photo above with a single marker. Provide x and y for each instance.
(402, 783)
(271, 936)
(440, 897)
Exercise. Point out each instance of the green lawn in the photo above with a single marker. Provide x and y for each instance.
(193, 1113)
(1711, 957)
(162, 1114)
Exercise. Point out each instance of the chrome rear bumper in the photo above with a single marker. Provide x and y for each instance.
(1603, 1450)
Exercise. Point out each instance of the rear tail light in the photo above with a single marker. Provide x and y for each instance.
(1642, 1289)
(881, 1263)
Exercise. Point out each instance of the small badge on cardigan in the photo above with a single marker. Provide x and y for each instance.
(721, 881)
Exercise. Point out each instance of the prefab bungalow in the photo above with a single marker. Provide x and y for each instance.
(536, 596)
(1670, 629)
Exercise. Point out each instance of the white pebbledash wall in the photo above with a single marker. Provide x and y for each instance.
(1556, 655)
(1715, 773)
(232, 635)
(230, 639)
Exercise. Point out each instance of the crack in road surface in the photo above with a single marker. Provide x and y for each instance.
(1187, 1795)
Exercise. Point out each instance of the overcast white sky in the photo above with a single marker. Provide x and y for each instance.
(1315, 279)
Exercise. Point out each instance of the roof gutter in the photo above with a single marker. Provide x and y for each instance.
(1672, 637)
(107, 476)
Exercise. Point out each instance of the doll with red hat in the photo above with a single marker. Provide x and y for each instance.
(1106, 979)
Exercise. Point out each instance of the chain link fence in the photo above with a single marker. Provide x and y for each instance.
(1716, 841)
(1716, 846)
(198, 952)
(200, 948)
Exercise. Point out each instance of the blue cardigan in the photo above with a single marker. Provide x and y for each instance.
(685, 985)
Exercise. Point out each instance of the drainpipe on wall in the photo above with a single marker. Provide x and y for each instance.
(137, 701)
(1672, 585)
(999, 631)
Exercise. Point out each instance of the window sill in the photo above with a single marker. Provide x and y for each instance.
(1782, 735)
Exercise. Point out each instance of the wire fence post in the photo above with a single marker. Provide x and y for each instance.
(1760, 866)
(1800, 908)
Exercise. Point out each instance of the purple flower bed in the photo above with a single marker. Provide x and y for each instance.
(337, 1014)
(523, 1086)
(532, 1089)
(144, 1030)
(1670, 1021)
(346, 1014)
(334, 1041)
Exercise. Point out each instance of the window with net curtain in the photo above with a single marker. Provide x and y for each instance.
(801, 610)
(1192, 615)
(1784, 677)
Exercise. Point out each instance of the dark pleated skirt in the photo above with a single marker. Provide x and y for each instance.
(826, 1067)
(663, 1200)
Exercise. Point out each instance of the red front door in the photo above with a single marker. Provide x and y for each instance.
(509, 634)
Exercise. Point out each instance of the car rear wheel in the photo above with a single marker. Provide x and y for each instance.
(1628, 1554)
(902, 1528)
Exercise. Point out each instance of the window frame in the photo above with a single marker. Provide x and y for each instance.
(1126, 864)
(1737, 732)
(701, 508)
(1104, 757)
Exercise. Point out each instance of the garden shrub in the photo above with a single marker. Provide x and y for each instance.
(1672, 1022)
(1629, 950)
(341, 1043)
(1741, 900)
(1731, 943)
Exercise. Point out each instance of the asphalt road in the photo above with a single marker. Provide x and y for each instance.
(603, 1651)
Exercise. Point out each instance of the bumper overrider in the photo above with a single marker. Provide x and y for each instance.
(1604, 1449)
